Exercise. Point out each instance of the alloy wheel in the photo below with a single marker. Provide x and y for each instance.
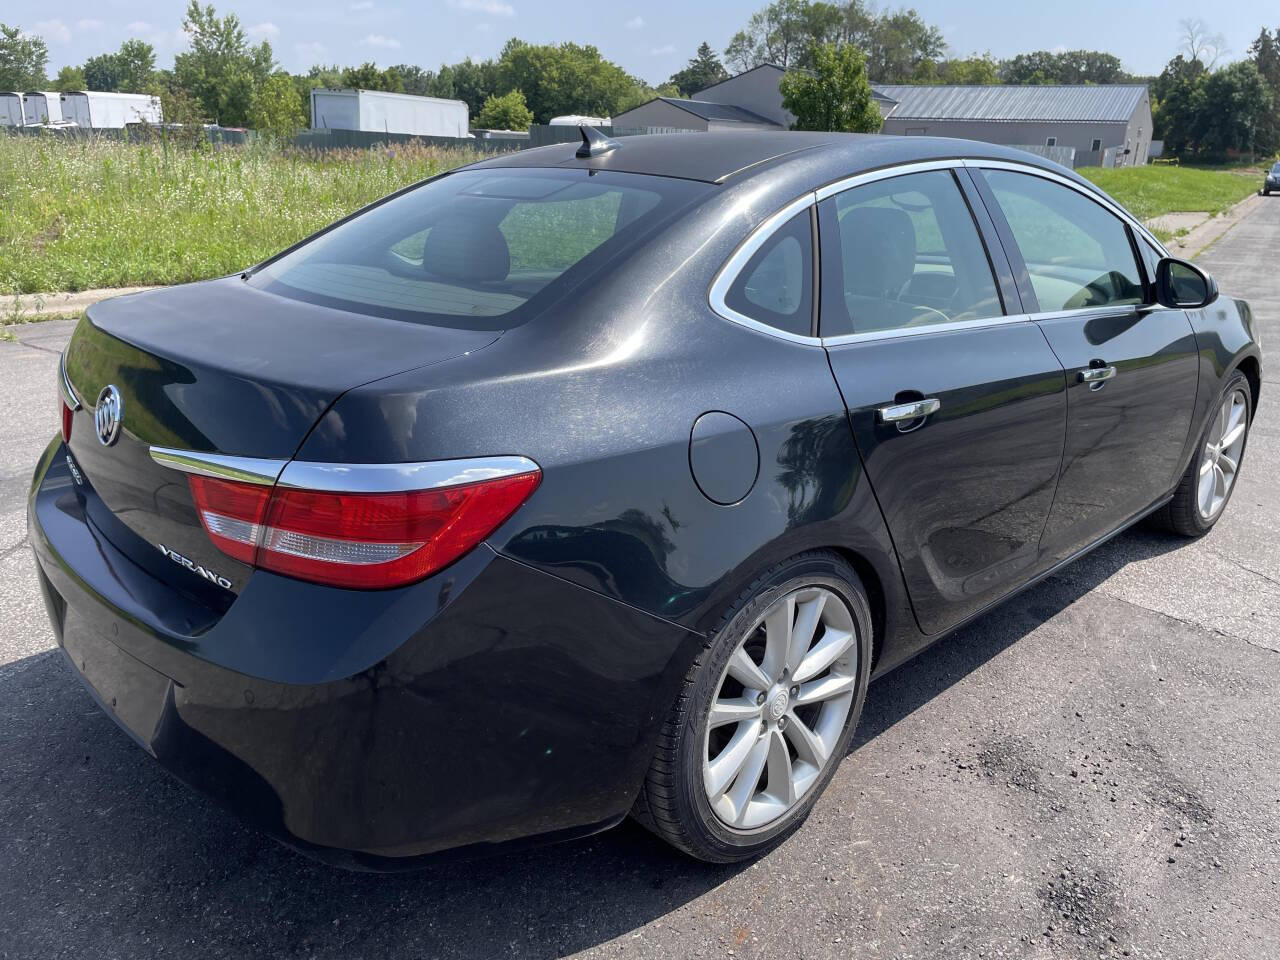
(780, 707)
(1221, 458)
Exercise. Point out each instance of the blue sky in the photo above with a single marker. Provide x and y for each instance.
(651, 39)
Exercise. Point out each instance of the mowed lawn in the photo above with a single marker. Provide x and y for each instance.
(100, 213)
(1158, 189)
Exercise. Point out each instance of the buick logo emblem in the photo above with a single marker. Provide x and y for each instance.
(107, 414)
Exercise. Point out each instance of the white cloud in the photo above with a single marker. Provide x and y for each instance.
(263, 31)
(662, 51)
(53, 31)
(139, 26)
(361, 5)
(378, 40)
(635, 23)
(90, 25)
(312, 52)
(494, 8)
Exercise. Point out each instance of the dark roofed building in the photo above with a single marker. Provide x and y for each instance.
(668, 115)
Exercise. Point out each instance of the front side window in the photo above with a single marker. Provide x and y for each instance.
(776, 285)
(902, 252)
(477, 249)
(1077, 253)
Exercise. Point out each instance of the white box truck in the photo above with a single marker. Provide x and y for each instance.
(10, 109)
(379, 112)
(93, 110)
(40, 108)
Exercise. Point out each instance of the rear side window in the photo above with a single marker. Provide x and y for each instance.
(479, 249)
(903, 252)
(1077, 253)
(776, 285)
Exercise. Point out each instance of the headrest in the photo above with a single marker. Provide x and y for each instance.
(460, 248)
(879, 251)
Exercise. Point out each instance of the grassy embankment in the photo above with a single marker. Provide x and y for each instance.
(1154, 190)
(78, 215)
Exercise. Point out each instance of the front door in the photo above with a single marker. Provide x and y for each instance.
(1131, 368)
(957, 408)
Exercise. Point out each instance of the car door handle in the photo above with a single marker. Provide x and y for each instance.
(1096, 376)
(900, 412)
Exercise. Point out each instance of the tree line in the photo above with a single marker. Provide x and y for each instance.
(1201, 109)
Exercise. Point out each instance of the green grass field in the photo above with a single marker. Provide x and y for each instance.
(78, 215)
(99, 213)
(1150, 191)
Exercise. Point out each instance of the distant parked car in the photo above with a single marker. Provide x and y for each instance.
(1273, 180)
(585, 482)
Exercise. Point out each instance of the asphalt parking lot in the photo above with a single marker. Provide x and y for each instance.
(1091, 770)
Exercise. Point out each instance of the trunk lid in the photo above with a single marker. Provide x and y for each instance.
(217, 367)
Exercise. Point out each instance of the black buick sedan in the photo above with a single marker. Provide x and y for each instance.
(601, 480)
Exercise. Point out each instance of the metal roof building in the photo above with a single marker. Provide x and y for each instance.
(1103, 124)
(669, 114)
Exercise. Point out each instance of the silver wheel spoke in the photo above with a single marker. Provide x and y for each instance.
(744, 788)
(782, 785)
(1230, 463)
(734, 710)
(1232, 436)
(778, 628)
(720, 772)
(808, 618)
(809, 745)
(1219, 482)
(743, 669)
(824, 689)
(829, 649)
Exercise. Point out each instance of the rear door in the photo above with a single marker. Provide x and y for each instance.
(956, 401)
(1131, 366)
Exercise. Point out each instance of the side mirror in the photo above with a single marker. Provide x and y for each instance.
(1183, 285)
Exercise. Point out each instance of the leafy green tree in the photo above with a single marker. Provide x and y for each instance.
(1238, 102)
(784, 33)
(507, 112)
(1265, 54)
(641, 92)
(131, 69)
(367, 76)
(23, 60)
(900, 42)
(70, 78)
(102, 73)
(704, 70)
(277, 108)
(1178, 95)
(832, 95)
(221, 70)
(472, 83)
(563, 78)
(1071, 66)
(974, 71)
(416, 80)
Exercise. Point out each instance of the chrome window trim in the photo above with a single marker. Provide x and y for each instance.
(728, 272)
(902, 332)
(64, 382)
(342, 477)
(219, 466)
(400, 477)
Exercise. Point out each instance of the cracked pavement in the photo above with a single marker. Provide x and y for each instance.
(1090, 770)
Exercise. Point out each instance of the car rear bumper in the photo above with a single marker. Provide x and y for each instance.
(492, 704)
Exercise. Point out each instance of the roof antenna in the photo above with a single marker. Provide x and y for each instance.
(595, 143)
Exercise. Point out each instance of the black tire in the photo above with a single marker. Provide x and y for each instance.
(1181, 515)
(672, 802)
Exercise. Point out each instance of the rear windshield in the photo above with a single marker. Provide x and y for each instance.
(479, 249)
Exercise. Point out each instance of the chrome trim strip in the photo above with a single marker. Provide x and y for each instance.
(1098, 198)
(885, 173)
(398, 477)
(64, 382)
(895, 334)
(219, 467)
(728, 273)
(899, 412)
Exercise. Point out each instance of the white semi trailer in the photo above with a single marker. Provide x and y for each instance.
(41, 107)
(10, 109)
(93, 110)
(379, 112)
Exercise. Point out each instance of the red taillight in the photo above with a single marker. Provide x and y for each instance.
(359, 540)
(67, 413)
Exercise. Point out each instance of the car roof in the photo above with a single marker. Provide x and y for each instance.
(719, 157)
